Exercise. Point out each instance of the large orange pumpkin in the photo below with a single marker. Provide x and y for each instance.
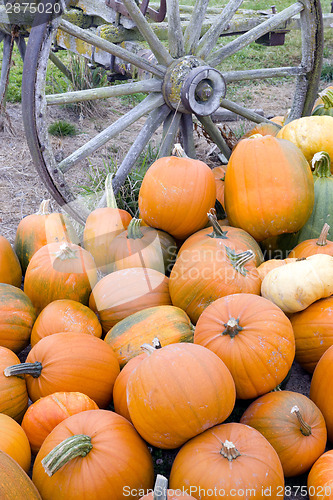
(46, 413)
(14, 441)
(65, 315)
(219, 176)
(60, 271)
(106, 459)
(314, 245)
(10, 267)
(268, 187)
(313, 330)
(13, 390)
(69, 362)
(17, 316)
(228, 461)
(170, 324)
(125, 292)
(177, 392)
(293, 425)
(270, 264)
(176, 194)
(37, 230)
(320, 478)
(14, 482)
(321, 389)
(253, 337)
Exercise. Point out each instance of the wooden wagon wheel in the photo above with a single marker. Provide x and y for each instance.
(185, 83)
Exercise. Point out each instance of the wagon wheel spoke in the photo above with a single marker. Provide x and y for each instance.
(215, 135)
(150, 103)
(186, 128)
(170, 130)
(258, 74)
(21, 45)
(175, 32)
(250, 36)
(6, 57)
(244, 112)
(193, 29)
(158, 49)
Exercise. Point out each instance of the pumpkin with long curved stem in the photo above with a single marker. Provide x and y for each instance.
(320, 478)
(324, 104)
(314, 246)
(14, 441)
(10, 267)
(14, 482)
(46, 413)
(268, 187)
(313, 330)
(69, 362)
(93, 454)
(321, 389)
(293, 425)
(236, 327)
(103, 225)
(13, 390)
(17, 316)
(227, 461)
(65, 315)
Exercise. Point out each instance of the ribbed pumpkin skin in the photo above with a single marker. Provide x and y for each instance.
(321, 389)
(50, 277)
(200, 464)
(125, 292)
(65, 315)
(46, 413)
(313, 330)
(17, 316)
(310, 134)
(168, 323)
(10, 267)
(119, 458)
(176, 194)
(13, 390)
(263, 128)
(13, 440)
(264, 329)
(73, 362)
(271, 415)
(320, 478)
(268, 187)
(177, 392)
(219, 176)
(14, 482)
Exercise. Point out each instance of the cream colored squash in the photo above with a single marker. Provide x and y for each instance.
(296, 285)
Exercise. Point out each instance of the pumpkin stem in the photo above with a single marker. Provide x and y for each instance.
(327, 98)
(156, 343)
(33, 369)
(238, 260)
(110, 197)
(78, 445)
(321, 164)
(66, 252)
(178, 151)
(229, 450)
(160, 488)
(232, 327)
(256, 136)
(134, 229)
(44, 208)
(149, 349)
(305, 428)
(217, 229)
(322, 240)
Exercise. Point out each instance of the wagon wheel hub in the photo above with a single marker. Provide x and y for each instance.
(190, 86)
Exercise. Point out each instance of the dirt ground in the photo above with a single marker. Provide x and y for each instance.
(22, 190)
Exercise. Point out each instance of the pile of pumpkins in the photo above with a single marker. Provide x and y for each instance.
(147, 333)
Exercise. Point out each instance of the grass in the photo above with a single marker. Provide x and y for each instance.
(61, 128)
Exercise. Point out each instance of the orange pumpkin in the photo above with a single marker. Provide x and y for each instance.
(103, 225)
(17, 316)
(176, 194)
(125, 292)
(106, 459)
(37, 230)
(13, 390)
(10, 267)
(170, 324)
(270, 264)
(320, 478)
(314, 245)
(313, 330)
(14, 441)
(268, 187)
(65, 315)
(14, 482)
(46, 413)
(60, 271)
(264, 128)
(219, 176)
(177, 392)
(69, 362)
(237, 326)
(226, 461)
(293, 425)
(210, 270)
(321, 389)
